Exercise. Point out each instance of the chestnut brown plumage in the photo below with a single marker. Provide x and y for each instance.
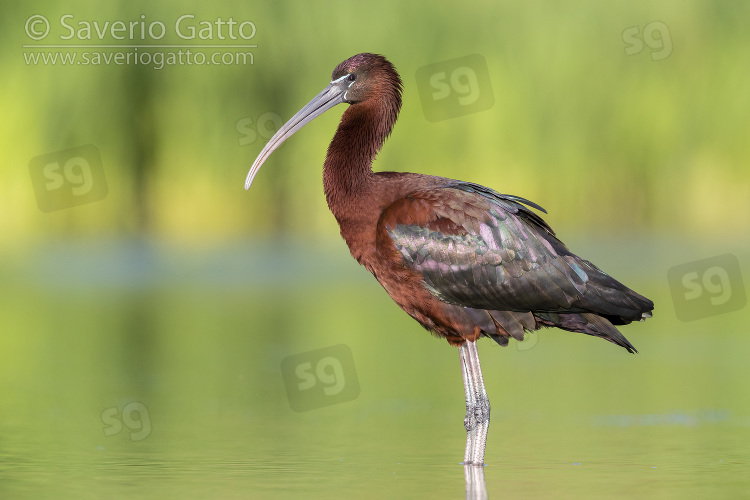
(463, 260)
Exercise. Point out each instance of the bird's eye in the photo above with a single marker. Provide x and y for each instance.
(352, 77)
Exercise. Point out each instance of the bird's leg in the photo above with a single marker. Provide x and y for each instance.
(477, 421)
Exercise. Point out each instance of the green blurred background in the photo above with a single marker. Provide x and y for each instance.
(183, 292)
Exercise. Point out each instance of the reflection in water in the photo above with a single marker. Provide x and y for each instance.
(475, 486)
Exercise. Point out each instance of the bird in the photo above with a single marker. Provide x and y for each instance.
(465, 261)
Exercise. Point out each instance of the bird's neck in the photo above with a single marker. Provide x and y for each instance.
(347, 171)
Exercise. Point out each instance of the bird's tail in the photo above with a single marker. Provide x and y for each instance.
(588, 323)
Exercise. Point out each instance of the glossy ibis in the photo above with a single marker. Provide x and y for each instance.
(463, 260)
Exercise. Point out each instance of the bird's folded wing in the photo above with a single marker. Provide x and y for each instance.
(477, 248)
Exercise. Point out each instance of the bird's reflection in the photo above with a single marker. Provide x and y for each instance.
(475, 486)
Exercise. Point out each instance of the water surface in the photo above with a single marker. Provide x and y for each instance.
(136, 372)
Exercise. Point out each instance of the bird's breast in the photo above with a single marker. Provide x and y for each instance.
(359, 235)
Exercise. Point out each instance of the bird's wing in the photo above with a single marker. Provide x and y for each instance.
(481, 249)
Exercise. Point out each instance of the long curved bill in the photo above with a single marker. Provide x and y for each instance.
(333, 94)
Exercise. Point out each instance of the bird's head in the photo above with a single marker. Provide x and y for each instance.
(367, 76)
(360, 79)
